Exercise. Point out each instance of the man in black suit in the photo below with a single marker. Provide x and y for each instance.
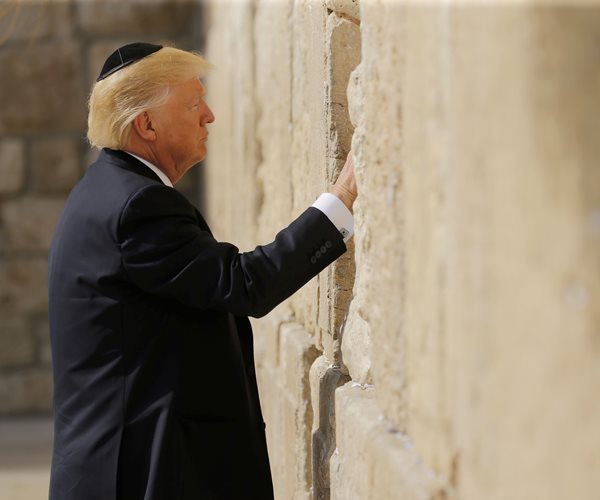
(155, 392)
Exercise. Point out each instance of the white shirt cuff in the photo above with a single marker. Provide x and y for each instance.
(337, 213)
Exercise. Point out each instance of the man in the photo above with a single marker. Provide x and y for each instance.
(155, 389)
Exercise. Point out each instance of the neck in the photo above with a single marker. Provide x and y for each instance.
(149, 154)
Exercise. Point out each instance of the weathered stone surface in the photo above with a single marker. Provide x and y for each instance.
(12, 166)
(31, 21)
(309, 135)
(297, 355)
(356, 345)
(17, 345)
(233, 145)
(324, 379)
(343, 55)
(342, 49)
(349, 8)
(23, 286)
(373, 460)
(273, 97)
(55, 165)
(26, 391)
(28, 223)
(42, 88)
(477, 236)
(135, 17)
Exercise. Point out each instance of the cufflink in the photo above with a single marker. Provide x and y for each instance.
(344, 232)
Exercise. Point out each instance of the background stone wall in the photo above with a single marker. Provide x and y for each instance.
(454, 351)
(51, 51)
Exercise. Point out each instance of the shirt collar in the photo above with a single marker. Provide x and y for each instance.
(163, 177)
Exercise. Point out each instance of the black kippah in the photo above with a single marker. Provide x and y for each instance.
(126, 55)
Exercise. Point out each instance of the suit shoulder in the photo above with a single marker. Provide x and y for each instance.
(157, 199)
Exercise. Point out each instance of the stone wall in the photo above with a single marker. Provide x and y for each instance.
(454, 351)
(50, 53)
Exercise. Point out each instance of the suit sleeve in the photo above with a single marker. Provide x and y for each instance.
(166, 253)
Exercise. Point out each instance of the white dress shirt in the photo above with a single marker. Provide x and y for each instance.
(328, 203)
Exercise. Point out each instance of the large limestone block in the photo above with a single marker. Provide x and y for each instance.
(273, 94)
(17, 345)
(423, 273)
(267, 334)
(135, 17)
(343, 51)
(342, 55)
(28, 223)
(325, 378)
(373, 341)
(524, 273)
(56, 165)
(23, 286)
(32, 21)
(233, 151)
(42, 88)
(309, 132)
(335, 292)
(26, 391)
(12, 166)
(297, 355)
(373, 460)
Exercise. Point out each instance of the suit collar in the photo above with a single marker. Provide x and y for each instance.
(126, 161)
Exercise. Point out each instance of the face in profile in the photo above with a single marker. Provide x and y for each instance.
(180, 125)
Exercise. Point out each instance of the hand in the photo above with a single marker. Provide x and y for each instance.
(345, 186)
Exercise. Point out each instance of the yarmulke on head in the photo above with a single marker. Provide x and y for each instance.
(126, 55)
(114, 102)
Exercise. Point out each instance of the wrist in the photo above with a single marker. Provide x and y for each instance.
(345, 196)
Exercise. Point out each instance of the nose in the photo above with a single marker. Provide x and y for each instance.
(207, 116)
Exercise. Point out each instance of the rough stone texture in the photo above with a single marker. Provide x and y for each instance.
(233, 97)
(373, 460)
(285, 391)
(297, 354)
(17, 346)
(23, 286)
(309, 122)
(31, 21)
(342, 48)
(324, 379)
(474, 309)
(26, 391)
(350, 8)
(12, 166)
(135, 17)
(42, 88)
(55, 165)
(28, 223)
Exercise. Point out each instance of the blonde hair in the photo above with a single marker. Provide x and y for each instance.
(115, 101)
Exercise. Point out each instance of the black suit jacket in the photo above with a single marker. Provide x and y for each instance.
(155, 392)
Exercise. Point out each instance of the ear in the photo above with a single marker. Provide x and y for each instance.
(142, 124)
